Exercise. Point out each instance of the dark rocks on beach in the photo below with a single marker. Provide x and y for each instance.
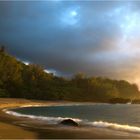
(69, 122)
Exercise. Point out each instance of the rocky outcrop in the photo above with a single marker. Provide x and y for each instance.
(69, 122)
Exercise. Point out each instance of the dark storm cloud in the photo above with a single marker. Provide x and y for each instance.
(74, 36)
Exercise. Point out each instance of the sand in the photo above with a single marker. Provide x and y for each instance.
(12, 127)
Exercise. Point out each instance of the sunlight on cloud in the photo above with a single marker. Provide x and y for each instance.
(26, 63)
(50, 71)
(70, 17)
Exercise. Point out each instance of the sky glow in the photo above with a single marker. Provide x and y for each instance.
(99, 38)
(26, 63)
(73, 13)
(69, 17)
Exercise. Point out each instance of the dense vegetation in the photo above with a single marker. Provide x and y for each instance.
(22, 81)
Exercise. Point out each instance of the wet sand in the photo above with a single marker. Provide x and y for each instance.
(12, 127)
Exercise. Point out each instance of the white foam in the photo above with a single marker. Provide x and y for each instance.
(116, 126)
(100, 124)
(50, 120)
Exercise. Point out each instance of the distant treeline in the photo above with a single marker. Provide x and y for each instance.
(18, 80)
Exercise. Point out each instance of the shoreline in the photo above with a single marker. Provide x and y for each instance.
(27, 128)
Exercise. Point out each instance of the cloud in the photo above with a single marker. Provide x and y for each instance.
(91, 40)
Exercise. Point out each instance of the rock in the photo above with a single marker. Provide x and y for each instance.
(69, 122)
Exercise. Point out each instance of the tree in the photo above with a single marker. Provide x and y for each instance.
(22, 81)
(2, 48)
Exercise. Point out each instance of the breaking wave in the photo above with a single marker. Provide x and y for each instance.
(99, 124)
(50, 120)
(116, 126)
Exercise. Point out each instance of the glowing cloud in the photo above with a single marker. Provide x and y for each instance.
(96, 38)
(51, 71)
(73, 13)
(70, 17)
(26, 63)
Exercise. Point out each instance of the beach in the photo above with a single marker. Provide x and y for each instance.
(13, 127)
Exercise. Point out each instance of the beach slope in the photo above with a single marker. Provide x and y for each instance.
(12, 127)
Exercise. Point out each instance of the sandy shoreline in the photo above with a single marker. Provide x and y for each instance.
(24, 128)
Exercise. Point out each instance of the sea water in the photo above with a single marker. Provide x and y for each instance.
(123, 117)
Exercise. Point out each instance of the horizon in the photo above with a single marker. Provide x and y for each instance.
(97, 38)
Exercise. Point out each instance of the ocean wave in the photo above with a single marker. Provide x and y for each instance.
(115, 126)
(99, 124)
(50, 120)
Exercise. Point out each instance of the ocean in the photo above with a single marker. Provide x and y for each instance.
(122, 117)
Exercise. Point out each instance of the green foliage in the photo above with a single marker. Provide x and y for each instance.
(19, 80)
(3, 93)
(119, 100)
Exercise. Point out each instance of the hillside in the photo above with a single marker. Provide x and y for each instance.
(18, 80)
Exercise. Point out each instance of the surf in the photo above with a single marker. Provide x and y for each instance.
(85, 123)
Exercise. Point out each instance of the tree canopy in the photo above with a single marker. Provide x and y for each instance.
(32, 82)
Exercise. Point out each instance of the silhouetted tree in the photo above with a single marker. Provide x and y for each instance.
(2, 48)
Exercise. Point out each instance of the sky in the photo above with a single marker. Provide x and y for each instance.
(98, 38)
